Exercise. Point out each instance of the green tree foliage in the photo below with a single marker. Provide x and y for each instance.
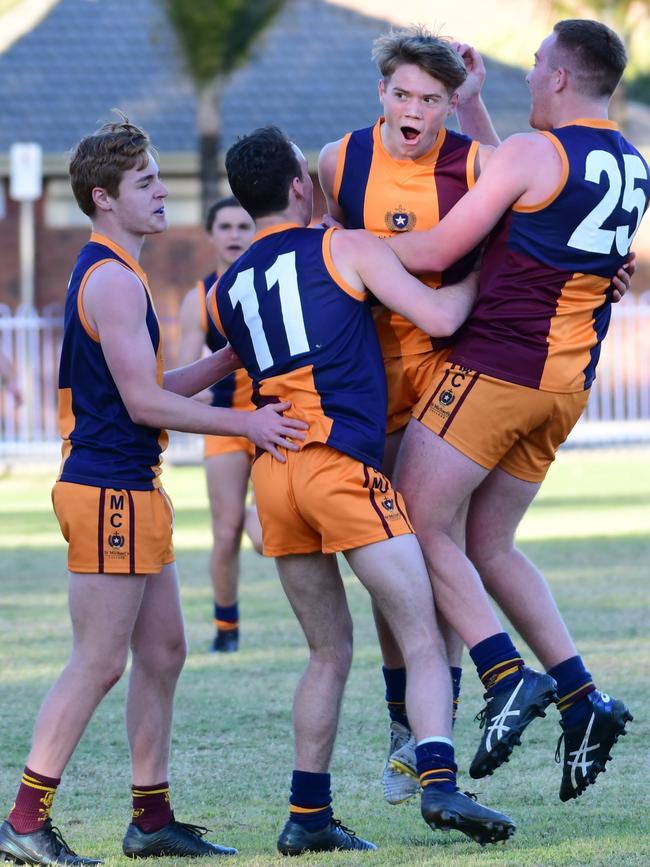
(214, 38)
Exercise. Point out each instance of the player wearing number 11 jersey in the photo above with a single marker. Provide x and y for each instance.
(562, 205)
(294, 308)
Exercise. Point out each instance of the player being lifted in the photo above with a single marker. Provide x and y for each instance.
(562, 205)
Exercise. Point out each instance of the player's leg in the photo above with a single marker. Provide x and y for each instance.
(399, 787)
(227, 478)
(591, 721)
(252, 525)
(99, 653)
(436, 479)
(315, 591)
(394, 572)
(158, 650)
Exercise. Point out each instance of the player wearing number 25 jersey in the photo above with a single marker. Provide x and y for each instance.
(544, 302)
(544, 306)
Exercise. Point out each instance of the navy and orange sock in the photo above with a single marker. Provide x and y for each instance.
(435, 764)
(497, 662)
(456, 676)
(33, 802)
(574, 684)
(395, 680)
(226, 617)
(310, 803)
(151, 807)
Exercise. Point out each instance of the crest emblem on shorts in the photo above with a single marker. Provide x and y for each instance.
(115, 540)
(446, 398)
(400, 220)
(388, 504)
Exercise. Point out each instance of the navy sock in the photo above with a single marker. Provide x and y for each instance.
(310, 803)
(395, 680)
(497, 662)
(226, 617)
(456, 675)
(436, 765)
(574, 684)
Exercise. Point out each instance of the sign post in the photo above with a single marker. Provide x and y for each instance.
(26, 186)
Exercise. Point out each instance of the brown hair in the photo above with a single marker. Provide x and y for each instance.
(594, 54)
(100, 160)
(419, 46)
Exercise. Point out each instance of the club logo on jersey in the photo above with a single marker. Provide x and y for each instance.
(400, 220)
(115, 540)
(446, 398)
(388, 504)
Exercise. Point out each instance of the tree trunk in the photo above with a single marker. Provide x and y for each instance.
(209, 129)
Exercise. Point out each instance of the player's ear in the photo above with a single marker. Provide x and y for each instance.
(101, 199)
(561, 78)
(381, 88)
(453, 102)
(297, 187)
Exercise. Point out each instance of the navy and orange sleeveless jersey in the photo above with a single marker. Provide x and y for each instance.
(386, 196)
(101, 445)
(304, 334)
(234, 391)
(545, 289)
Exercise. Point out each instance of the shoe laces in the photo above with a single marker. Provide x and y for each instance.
(196, 830)
(62, 846)
(558, 757)
(339, 824)
(481, 717)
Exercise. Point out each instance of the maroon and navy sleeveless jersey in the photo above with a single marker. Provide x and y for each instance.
(545, 288)
(386, 196)
(101, 445)
(305, 335)
(235, 390)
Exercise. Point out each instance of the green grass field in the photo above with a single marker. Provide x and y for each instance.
(232, 747)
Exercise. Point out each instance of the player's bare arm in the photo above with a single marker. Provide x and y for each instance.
(115, 308)
(327, 162)
(525, 169)
(473, 116)
(365, 261)
(192, 334)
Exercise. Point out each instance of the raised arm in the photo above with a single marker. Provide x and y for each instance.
(364, 260)
(473, 116)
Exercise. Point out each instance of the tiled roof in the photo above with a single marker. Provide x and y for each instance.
(310, 73)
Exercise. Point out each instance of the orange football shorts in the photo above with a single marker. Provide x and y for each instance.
(324, 500)
(407, 379)
(499, 423)
(114, 532)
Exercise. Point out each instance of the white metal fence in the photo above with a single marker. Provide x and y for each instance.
(618, 409)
